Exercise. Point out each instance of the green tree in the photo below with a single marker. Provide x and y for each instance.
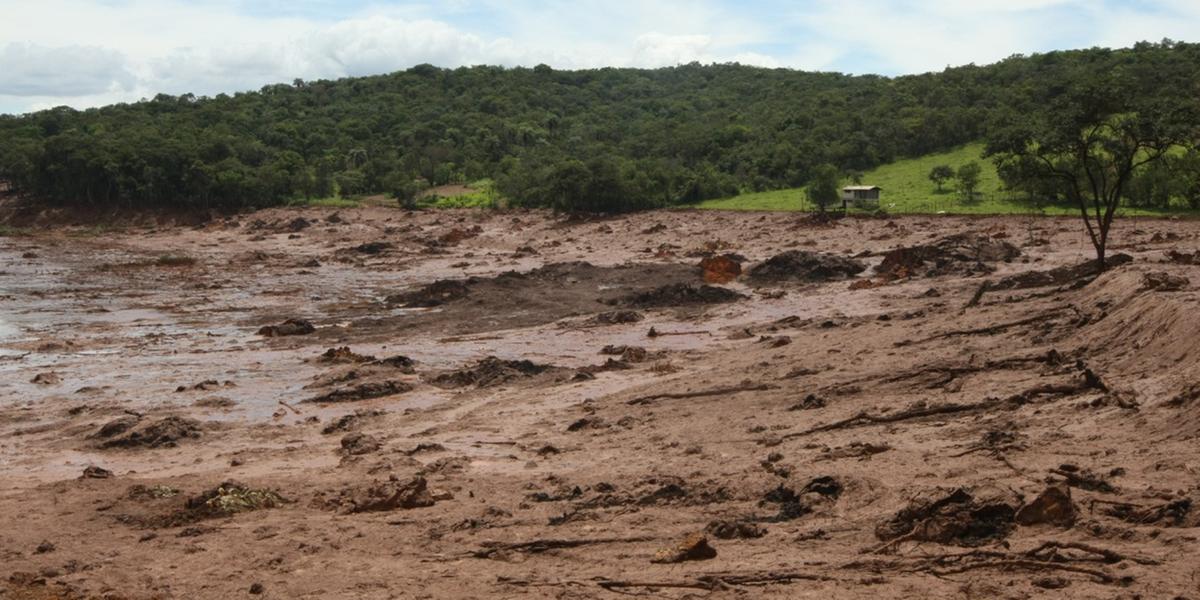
(940, 175)
(823, 186)
(968, 180)
(1090, 129)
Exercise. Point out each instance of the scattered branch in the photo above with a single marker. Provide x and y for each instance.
(991, 330)
(490, 549)
(699, 394)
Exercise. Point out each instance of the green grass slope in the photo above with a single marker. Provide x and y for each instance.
(907, 189)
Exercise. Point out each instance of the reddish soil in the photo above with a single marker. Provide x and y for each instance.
(823, 432)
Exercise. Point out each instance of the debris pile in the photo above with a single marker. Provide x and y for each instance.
(681, 294)
(961, 518)
(381, 496)
(128, 432)
(435, 294)
(491, 371)
(804, 266)
(288, 327)
(959, 254)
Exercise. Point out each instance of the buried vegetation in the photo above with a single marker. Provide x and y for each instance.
(734, 413)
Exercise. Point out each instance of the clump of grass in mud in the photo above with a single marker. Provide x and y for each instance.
(175, 260)
(232, 498)
(10, 231)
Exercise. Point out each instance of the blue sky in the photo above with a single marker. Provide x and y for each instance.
(86, 53)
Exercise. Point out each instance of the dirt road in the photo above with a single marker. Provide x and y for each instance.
(372, 403)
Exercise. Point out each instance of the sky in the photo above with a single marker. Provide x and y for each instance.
(85, 53)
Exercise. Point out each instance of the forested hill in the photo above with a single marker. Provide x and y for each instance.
(623, 138)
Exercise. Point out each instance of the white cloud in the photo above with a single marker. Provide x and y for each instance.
(89, 52)
(32, 70)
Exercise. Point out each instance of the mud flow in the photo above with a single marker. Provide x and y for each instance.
(373, 403)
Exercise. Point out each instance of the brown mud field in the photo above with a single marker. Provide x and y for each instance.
(374, 403)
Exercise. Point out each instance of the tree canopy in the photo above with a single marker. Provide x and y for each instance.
(603, 139)
(1090, 129)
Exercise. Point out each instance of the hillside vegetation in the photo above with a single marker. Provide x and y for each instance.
(602, 140)
(908, 189)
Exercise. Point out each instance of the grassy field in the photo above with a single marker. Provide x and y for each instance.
(331, 202)
(907, 189)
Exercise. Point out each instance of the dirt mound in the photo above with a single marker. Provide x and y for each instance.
(617, 317)
(521, 299)
(362, 391)
(231, 498)
(164, 433)
(1058, 276)
(372, 248)
(435, 294)
(343, 355)
(959, 254)
(163, 506)
(960, 517)
(358, 443)
(351, 421)
(804, 266)
(380, 496)
(492, 371)
(288, 327)
(1128, 309)
(681, 294)
(729, 529)
(795, 504)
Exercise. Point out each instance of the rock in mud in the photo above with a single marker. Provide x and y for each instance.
(403, 363)
(721, 269)
(358, 443)
(435, 294)
(383, 496)
(681, 294)
(94, 472)
(351, 421)
(616, 317)
(372, 248)
(693, 547)
(961, 254)
(959, 517)
(362, 391)
(628, 354)
(164, 433)
(288, 327)
(804, 266)
(490, 371)
(117, 426)
(47, 378)
(1052, 507)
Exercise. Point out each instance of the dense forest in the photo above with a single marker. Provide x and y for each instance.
(606, 139)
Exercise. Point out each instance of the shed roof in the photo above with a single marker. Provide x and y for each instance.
(861, 188)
